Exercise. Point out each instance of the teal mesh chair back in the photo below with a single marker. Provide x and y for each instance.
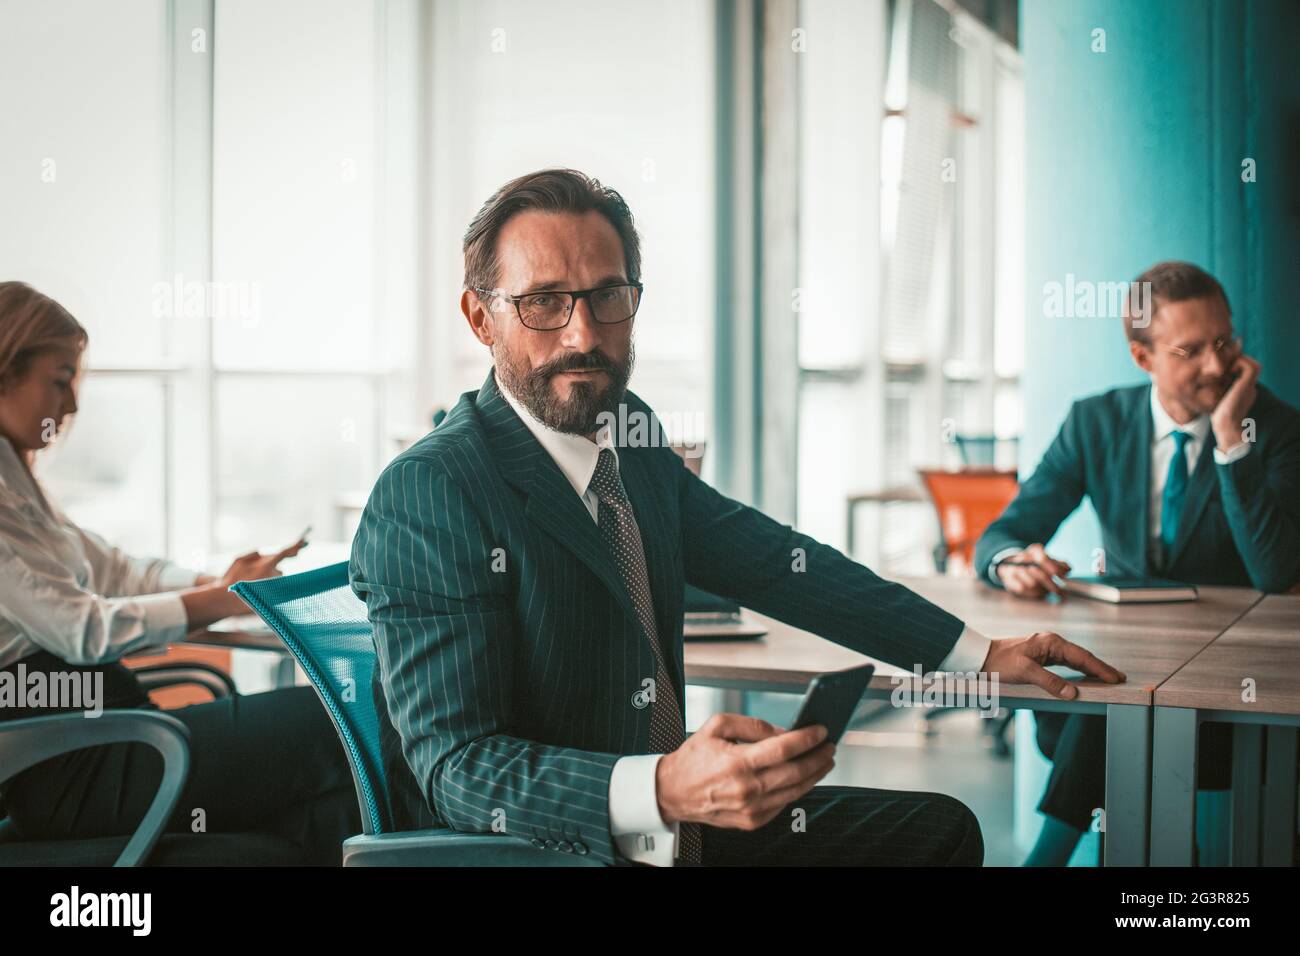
(324, 625)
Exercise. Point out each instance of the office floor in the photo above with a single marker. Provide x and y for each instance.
(890, 751)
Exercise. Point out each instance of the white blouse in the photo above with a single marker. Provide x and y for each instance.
(68, 591)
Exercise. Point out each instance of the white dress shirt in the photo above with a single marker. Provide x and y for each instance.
(68, 591)
(638, 830)
(1162, 451)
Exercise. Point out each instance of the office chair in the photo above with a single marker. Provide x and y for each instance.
(966, 502)
(157, 676)
(30, 741)
(326, 627)
(980, 451)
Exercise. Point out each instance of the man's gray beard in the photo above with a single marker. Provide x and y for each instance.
(581, 413)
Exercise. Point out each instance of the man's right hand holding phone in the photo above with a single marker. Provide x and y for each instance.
(738, 772)
(1031, 573)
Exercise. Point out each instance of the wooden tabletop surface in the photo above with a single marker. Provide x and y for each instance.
(1263, 647)
(246, 633)
(1148, 642)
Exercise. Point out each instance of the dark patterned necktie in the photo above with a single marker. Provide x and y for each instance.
(619, 529)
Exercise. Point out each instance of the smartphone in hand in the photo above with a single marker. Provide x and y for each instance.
(832, 698)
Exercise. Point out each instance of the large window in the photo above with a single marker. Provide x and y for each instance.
(84, 170)
(223, 196)
(308, 214)
(258, 216)
(256, 209)
(910, 261)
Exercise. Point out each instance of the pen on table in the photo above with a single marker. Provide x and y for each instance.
(1028, 564)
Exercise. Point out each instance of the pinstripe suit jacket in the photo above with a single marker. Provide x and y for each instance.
(509, 650)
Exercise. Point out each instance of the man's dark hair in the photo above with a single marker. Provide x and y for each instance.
(1171, 282)
(548, 190)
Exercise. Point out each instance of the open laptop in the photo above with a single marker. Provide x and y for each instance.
(713, 618)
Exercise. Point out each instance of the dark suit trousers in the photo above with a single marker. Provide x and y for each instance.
(266, 763)
(1076, 745)
(855, 826)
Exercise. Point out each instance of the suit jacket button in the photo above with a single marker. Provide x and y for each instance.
(579, 848)
(537, 843)
(566, 846)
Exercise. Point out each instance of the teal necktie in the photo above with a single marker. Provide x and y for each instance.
(1171, 502)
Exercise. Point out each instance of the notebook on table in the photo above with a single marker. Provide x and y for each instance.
(1118, 589)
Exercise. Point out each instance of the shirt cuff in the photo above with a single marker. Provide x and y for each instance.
(638, 830)
(993, 565)
(165, 618)
(968, 654)
(1235, 453)
(176, 578)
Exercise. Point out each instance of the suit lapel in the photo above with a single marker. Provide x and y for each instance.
(1135, 472)
(552, 504)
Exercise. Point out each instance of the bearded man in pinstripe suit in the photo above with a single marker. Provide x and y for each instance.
(524, 574)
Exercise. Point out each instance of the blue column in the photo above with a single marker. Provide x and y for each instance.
(1134, 155)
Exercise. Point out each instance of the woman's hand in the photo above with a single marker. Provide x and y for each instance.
(210, 600)
(253, 566)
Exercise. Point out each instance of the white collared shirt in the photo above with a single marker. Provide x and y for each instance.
(1162, 452)
(68, 591)
(638, 830)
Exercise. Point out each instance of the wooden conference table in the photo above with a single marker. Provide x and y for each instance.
(1150, 643)
(1249, 677)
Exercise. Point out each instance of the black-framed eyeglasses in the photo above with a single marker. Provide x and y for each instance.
(551, 311)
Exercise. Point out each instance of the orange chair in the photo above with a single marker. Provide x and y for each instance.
(967, 502)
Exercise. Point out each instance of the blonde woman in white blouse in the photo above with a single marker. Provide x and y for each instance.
(70, 602)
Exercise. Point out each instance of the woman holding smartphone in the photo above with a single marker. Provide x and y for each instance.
(70, 602)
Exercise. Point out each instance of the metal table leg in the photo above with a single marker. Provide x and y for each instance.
(1128, 785)
(733, 701)
(1173, 787)
(286, 671)
(1247, 759)
(1279, 801)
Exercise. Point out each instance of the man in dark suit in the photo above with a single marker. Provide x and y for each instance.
(1194, 477)
(524, 568)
